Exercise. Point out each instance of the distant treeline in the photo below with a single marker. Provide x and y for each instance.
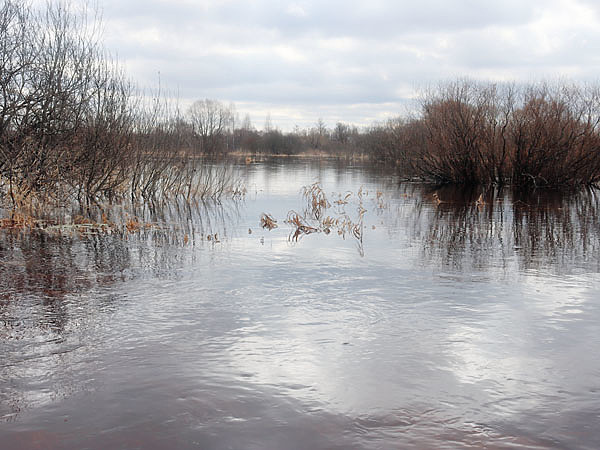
(536, 135)
(465, 132)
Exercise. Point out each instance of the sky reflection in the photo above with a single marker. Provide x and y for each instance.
(460, 324)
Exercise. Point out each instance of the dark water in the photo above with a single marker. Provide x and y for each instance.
(450, 325)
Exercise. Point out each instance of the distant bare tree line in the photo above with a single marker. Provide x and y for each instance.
(466, 132)
(343, 140)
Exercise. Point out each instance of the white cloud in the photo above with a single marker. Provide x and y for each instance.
(296, 10)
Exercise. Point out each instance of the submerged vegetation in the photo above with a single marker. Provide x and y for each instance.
(314, 217)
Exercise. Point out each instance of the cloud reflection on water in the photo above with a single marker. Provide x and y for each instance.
(461, 323)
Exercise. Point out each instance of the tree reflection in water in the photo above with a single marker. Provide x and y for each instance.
(461, 228)
(56, 289)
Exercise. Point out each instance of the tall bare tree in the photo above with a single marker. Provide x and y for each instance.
(209, 120)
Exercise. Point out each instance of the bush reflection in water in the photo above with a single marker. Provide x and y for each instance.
(57, 287)
(547, 230)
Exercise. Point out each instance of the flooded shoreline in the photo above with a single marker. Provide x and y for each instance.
(454, 323)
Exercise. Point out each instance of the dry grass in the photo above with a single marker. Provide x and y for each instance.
(80, 224)
(301, 226)
(159, 223)
(267, 221)
(81, 220)
(20, 221)
(316, 198)
(380, 201)
(315, 220)
(133, 225)
(343, 201)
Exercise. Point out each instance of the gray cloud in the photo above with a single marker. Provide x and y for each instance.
(305, 59)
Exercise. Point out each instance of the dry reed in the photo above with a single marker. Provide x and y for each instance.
(267, 221)
(315, 220)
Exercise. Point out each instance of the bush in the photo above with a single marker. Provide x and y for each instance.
(478, 133)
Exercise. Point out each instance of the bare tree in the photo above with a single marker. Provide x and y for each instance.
(209, 120)
(268, 124)
(341, 133)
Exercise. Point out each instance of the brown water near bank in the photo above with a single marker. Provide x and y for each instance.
(452, 323)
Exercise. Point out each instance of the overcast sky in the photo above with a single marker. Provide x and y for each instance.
(345, 60)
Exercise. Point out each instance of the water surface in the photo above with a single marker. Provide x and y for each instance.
(450, 323)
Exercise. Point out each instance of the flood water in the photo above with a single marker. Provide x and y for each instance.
(409, 324)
